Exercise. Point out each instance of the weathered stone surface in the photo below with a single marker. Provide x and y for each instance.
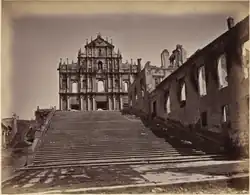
(215, 100)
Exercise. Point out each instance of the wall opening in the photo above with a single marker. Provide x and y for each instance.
(202, 81)
(167, 104)
(90, 83)
(125, 84)
(84, 83)
(157, 81)
(64, 103)
(225, 114)
(74, 87)
(204, 119)
(116, 83)
(222, 71)
(64, 83)
(183, 97)
(154, 113)
(74, 103)
(142, 93)
(100, 86)
(100, 65)
(135, 91)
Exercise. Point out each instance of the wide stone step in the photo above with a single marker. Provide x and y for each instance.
(149, 160)
(48, 161)
(84, 155)
(119, 153)
(107, 150)
(95, 157)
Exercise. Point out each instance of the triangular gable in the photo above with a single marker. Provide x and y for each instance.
(99, 42)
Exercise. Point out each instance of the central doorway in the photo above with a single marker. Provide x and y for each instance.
(75, 106)
(101, 105)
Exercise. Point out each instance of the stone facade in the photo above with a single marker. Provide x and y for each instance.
(151, 76)
(7, 131)
(211, 89)
(98, 80)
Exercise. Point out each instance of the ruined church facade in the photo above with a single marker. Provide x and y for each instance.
(98, 80)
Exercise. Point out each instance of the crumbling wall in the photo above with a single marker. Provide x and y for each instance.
(223, 92)
(41, 115)
(138, 94)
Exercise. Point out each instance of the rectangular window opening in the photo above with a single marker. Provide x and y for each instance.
(202, 81)
(204, 119)
(225, 114)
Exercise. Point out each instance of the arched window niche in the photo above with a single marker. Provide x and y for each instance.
(100, 86)
(222, 71)
(202, 81)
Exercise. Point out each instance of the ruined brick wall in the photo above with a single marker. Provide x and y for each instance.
(41, 115)
(137, 93)
(210, 107)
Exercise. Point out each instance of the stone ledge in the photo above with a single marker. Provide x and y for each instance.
(113, 189)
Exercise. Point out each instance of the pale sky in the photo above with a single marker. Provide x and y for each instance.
(38, 42)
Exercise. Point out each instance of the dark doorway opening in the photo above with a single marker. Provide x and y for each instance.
(204, 119)
(75, 106)
(154, 109)
(101, 105)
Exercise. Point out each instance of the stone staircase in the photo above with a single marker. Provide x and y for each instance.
(105, 137)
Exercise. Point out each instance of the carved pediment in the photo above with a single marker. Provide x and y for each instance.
(99, 42)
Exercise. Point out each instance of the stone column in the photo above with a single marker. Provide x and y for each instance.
(113, 80)
(68, 102)
(68, 84)
(87, 83)
(81, 85)
(109, 84)
(81, 102)
(60, 80)
(90, 86)
(61, 102)
(93, 84)
(121, 103)
(89, 104)
(120, 83)
(110, 102)
(94, 104)
(114, 103)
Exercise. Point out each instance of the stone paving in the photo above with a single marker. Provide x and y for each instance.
(115, 175)
(96, 149)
